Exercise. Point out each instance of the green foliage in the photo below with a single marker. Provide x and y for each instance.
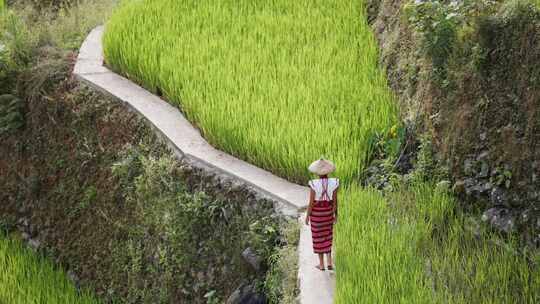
(440, 23)
(27, 278)
(278, 101)
(388, 145)
(27, 37)
(89, 196)
(184, 228)
(11, 114)
(17, 46)
(502, 176)
(427, 168)
(282, 277)
(50, 4)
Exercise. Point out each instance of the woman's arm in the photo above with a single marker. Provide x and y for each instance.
(310, 206)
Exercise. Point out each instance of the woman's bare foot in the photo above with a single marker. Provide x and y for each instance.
(321, 268)
(330, 267)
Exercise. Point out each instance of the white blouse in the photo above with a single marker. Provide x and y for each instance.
(317, 186)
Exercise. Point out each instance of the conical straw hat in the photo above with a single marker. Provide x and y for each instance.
(322, 167)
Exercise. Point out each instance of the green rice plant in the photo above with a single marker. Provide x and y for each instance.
(412, 247)
(26, 278)
(376, 259)
(276, 83)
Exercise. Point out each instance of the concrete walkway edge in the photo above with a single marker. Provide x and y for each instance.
(290, 199)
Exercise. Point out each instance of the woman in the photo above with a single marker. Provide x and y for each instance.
(322, 210)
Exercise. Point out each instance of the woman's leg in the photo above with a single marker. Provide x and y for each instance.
(321, 261)
(329, 260)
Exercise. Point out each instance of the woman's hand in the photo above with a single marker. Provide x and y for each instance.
(307, 220)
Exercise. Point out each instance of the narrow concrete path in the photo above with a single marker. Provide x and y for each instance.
(316, 287)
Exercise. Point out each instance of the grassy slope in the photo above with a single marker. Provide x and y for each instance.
(26, 278)
(277, 84)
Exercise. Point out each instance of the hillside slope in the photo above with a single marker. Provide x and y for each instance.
(467, 74)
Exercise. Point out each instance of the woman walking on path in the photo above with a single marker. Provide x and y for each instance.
(322, 210)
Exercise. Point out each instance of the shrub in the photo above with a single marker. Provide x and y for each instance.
(11, 114)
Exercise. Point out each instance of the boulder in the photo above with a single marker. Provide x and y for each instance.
(498, 197)
(252, 259)
(500, 219)
(247, 294)
(34, 244)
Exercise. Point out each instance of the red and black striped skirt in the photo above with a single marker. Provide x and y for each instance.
(322, 223)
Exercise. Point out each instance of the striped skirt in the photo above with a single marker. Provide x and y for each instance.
(322, 223)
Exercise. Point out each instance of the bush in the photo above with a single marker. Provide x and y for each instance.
(439, 23)
(281, 282)
(11, 114)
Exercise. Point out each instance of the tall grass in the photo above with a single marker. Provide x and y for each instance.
(277, 83)
(413, 248)
(26, 278)
(376, 260)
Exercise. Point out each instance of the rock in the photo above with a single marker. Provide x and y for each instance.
(468, 167)
(23, 222)
(525, 215)
(482, 155)
(246, 294)
(23, 209)
(498, 197)
(443, 185)
(73, 277)
(470, 185)
(200, 276)
(484, 170)
(459, 186)
(25, 236)
(34, 244)
(252, 259)
(483, 136)
(500, 219)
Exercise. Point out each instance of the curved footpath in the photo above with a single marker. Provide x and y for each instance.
(290, 199)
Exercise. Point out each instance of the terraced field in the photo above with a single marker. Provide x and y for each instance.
(275, 83)
(26, 278)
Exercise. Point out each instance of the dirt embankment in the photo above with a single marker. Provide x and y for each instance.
(468, 75)
(89, 183)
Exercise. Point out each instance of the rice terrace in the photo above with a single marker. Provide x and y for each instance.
(404, 135)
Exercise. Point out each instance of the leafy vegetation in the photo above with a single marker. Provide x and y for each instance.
(422, 249)
(164, 218)
(26, 278)
(281, 282)
(276, 100)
